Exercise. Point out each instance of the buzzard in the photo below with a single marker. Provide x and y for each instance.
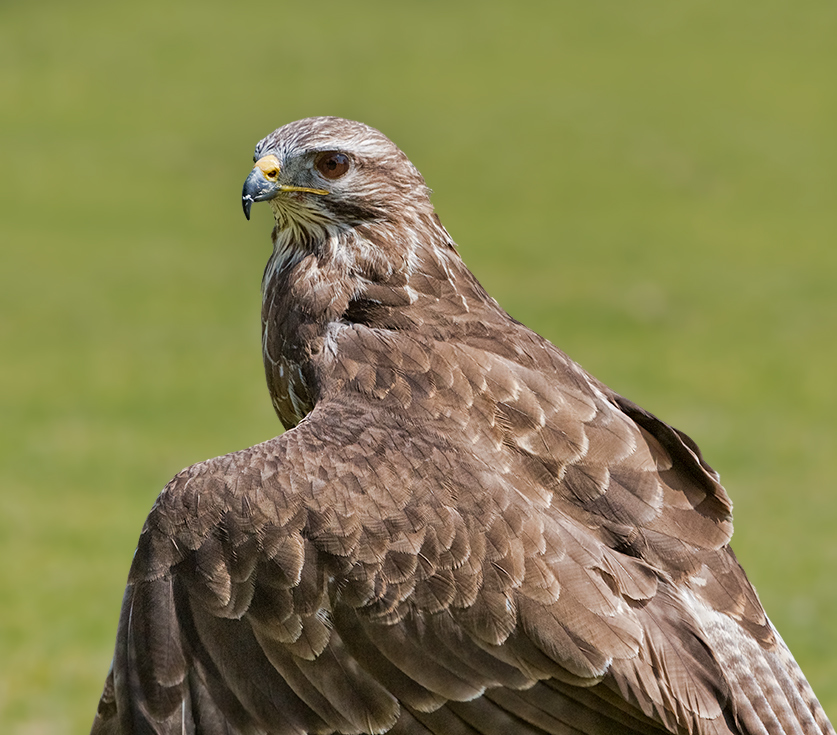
(461, 531)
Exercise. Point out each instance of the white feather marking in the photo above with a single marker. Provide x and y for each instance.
(770, 690)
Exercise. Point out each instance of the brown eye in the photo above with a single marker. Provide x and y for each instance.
(332, 164)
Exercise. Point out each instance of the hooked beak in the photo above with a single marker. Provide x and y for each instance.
(263, 184)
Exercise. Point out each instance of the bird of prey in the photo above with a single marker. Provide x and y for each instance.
(460, 532)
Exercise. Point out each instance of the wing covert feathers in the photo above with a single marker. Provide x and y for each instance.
(359, 576)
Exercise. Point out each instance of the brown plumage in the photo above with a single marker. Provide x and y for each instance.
(461, 532)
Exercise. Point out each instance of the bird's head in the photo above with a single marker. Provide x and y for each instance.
(329, 173)
(351, 211)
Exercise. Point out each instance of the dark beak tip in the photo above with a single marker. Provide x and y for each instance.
(246, 203)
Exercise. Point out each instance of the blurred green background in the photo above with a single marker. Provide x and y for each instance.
(652, 186)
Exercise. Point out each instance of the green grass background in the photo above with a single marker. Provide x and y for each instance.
(651, 185)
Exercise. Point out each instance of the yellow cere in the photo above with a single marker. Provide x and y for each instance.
(269, 166)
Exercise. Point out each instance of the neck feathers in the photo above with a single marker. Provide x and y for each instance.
(324, 279)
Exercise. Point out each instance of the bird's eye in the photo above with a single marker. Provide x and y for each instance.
(332, 164)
